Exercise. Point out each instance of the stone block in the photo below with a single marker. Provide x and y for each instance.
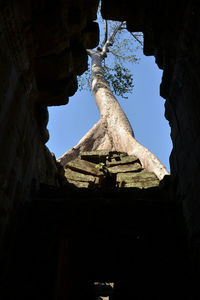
(137, 176)
(129, 159)
(79, 184)
(124, 168)
(77, 176)
(139, 185)
(105, 156)
(84, 167)
(140, 180)
(95, 156)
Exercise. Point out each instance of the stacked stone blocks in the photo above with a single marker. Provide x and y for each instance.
(104, 168)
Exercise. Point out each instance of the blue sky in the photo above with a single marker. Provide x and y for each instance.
(144, 109)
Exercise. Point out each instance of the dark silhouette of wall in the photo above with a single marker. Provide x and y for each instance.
(171, 34)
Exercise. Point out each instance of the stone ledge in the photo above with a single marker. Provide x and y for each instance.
(73, 175)
(84, 167)
(126, 159)
(140, 180)
(125, 168)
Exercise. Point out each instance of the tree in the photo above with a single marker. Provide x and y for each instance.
(113, 130)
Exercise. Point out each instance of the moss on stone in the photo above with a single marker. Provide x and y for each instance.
(140, 180)
(122, 160)
(140, 185)
(143, 175)
(95, 156)
(125, 168)
(84, 167)
(77, 176)
(94, 169)
(99, 156)
(79, 184)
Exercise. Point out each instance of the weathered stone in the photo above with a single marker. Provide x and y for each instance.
(140, 180)
(139, 185)
(79, 184)
(116, 154)
(128, 172)
(95, 156)
(125, 168)
(122, 160)
(98, 156)
(77, 176)
(84, 166)
(136, 176)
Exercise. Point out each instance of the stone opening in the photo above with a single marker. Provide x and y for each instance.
(144, 108)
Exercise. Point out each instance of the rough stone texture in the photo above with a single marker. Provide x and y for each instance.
(108, 169)
(84, 166)
(128, 159)
(100, 155)
(125, 168)
(75, 175)
(83, 174)
(42, 51)
(171, 34)
(139, 180)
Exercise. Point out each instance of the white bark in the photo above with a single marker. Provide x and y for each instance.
(113, 131)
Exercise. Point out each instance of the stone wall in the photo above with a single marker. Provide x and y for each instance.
(42, 51)
(104, 169)
(183, 113)
(171, 34)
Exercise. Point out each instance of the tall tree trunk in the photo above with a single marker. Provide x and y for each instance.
(113, 131)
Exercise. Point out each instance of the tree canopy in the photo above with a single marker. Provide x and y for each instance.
(120, 53)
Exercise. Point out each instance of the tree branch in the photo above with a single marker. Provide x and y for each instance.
(117, 55)
(135, 37)
(106, 32)
(110, 40)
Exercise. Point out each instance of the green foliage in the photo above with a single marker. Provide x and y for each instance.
(84, 81)
(120, 80)
(100, 166)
